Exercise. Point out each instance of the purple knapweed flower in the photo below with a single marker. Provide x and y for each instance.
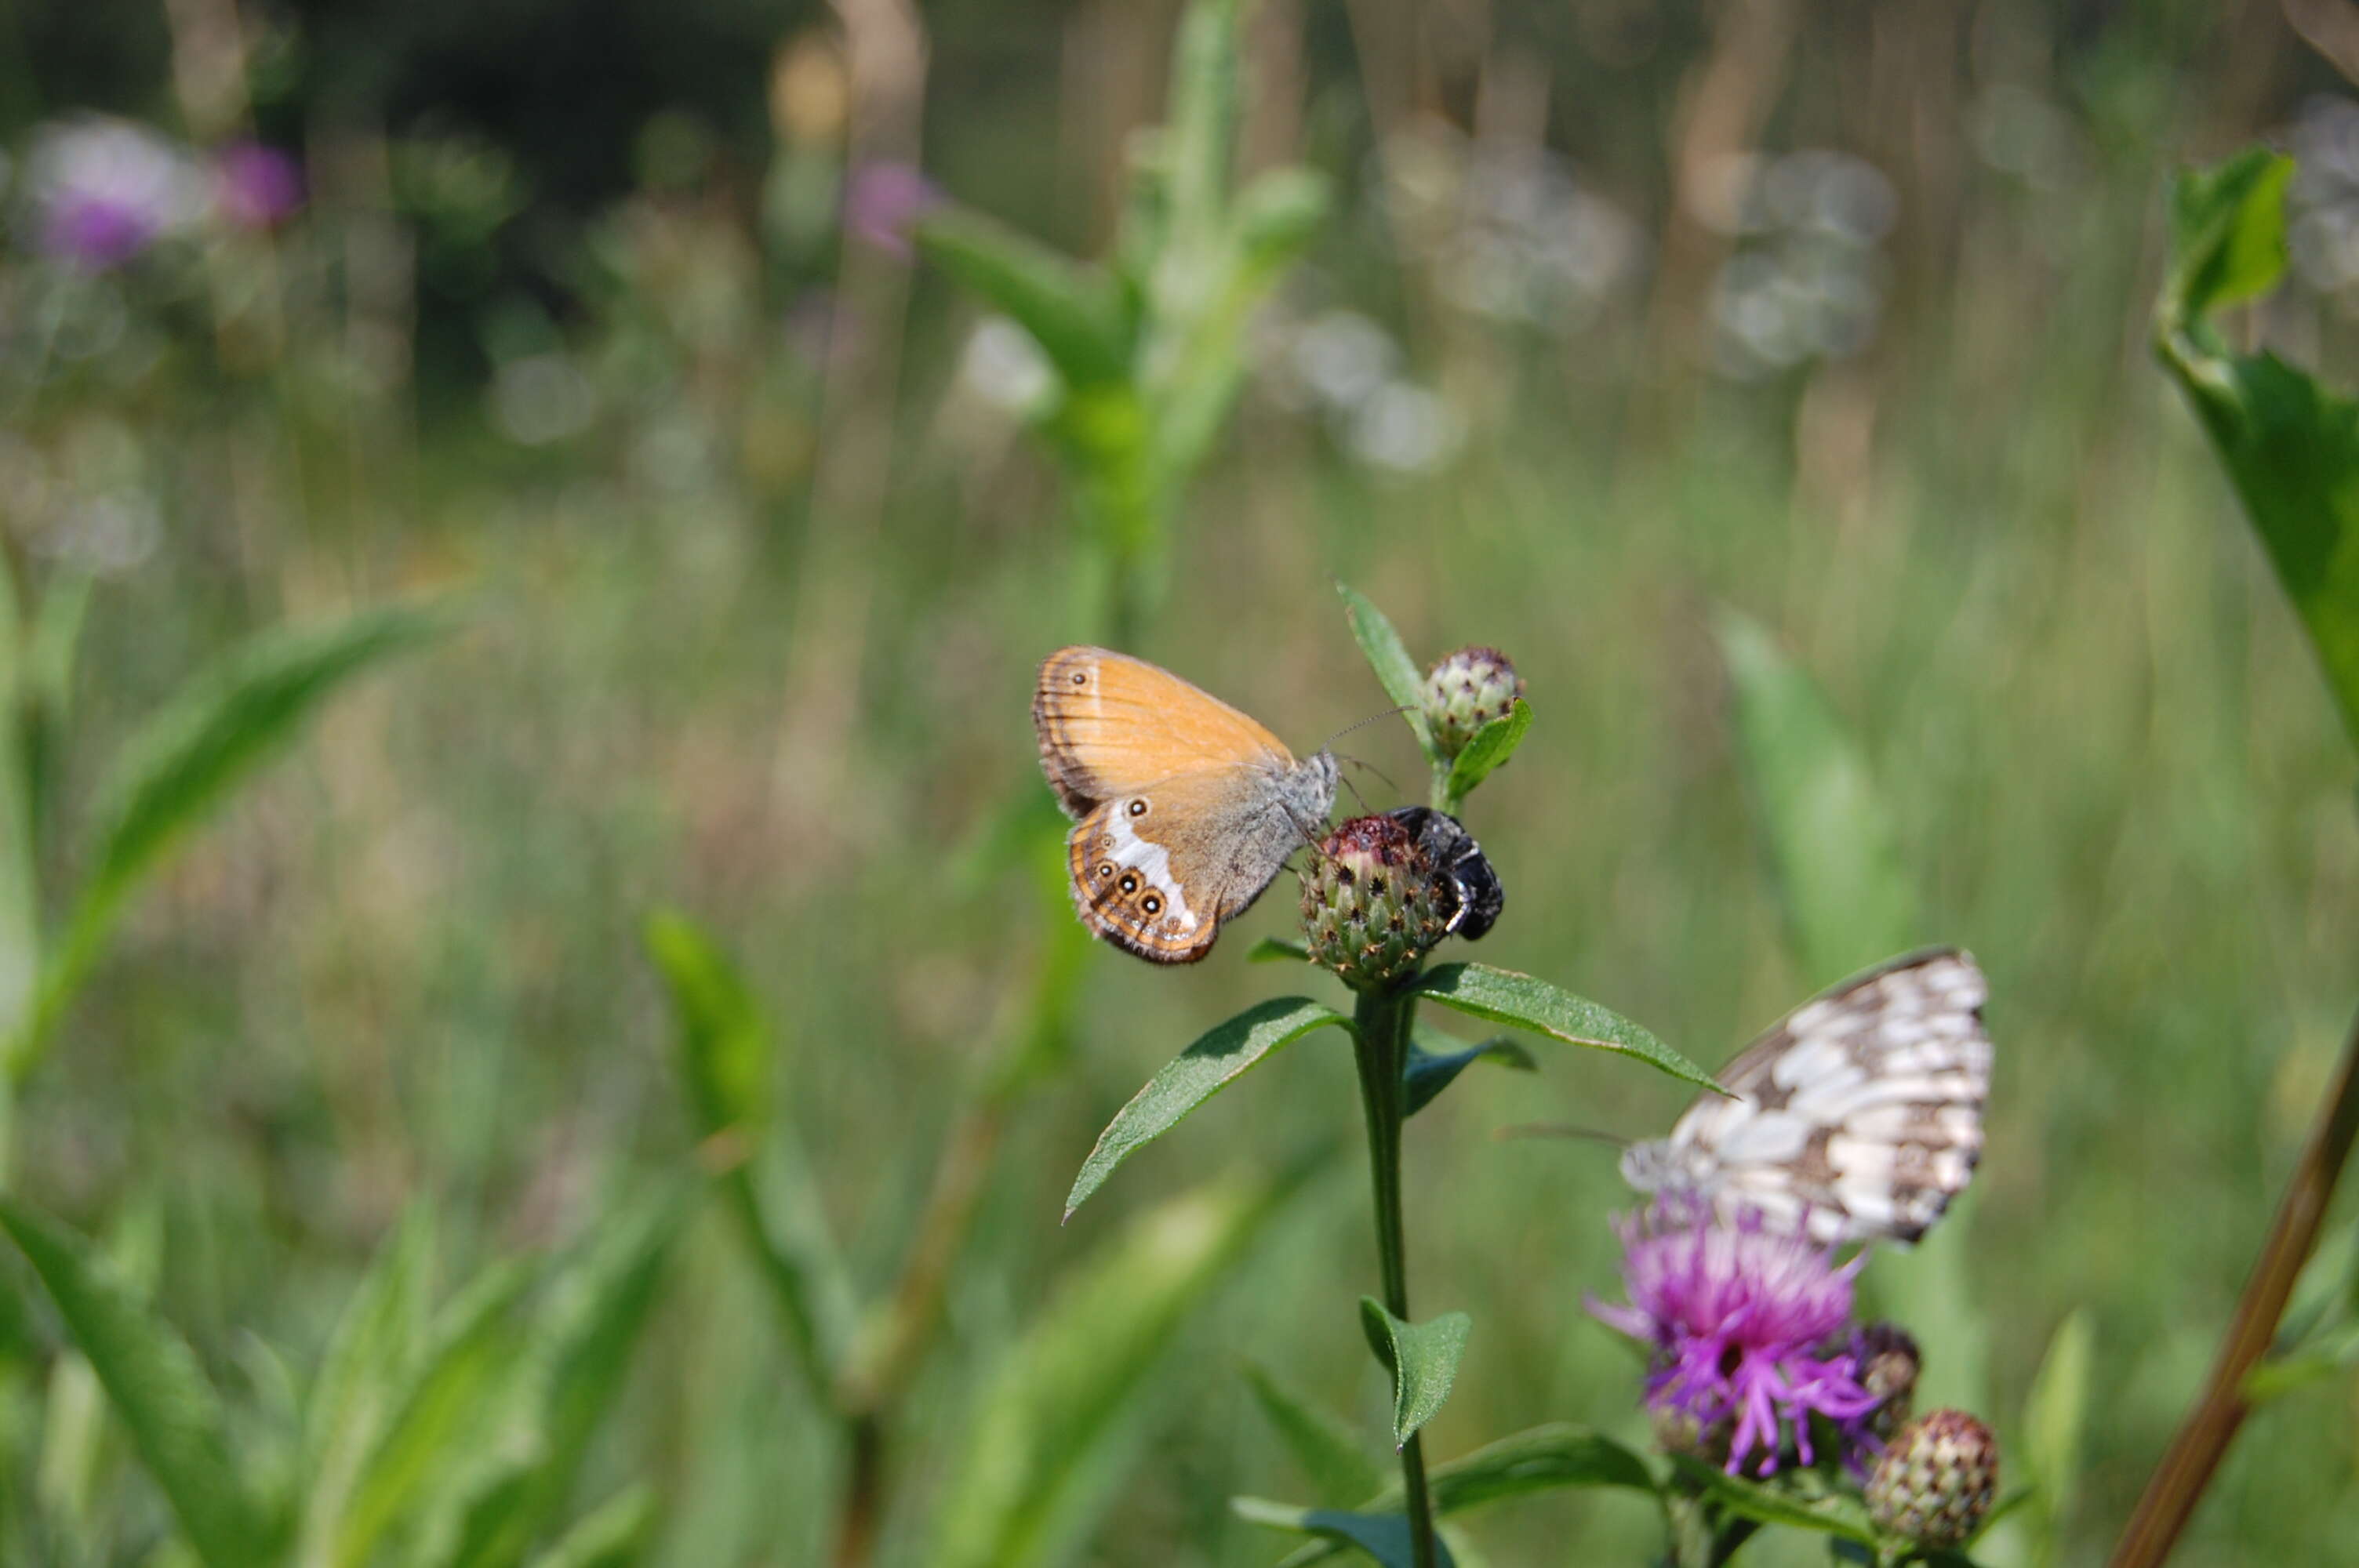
(104, 189)
(883, 202)
(256, 187)
(1738, 1317)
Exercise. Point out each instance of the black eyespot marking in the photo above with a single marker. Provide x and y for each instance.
(1130, 883)
(1080, 677)
(1139, 808)
(1152, 905)
(1105, 869)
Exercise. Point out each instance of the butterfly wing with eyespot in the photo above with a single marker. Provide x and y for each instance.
(1109, 723)
(1857, 1116)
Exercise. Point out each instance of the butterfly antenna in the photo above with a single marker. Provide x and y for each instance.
(1357, 762)
(1364, 724)
(1559, 1129)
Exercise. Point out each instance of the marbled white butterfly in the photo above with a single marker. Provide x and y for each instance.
(1858, 1117)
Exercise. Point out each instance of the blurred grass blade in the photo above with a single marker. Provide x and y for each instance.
(373, 1351)
(613, 1536)
(1433, 1065)
(1384, 1537)
(1388, 656)
(436, 1426)
(2055, 1417)
(1539, 1459)
(1277, 949)
(1837, 1515)
(1422, 1357)
(156, 1385)
(1198, 140)
(221, 727)
(1227, 1053)
(1846, 893)
(725, 1053)
(580, 1349)
(1523, 1001)
(1488, 752)
(20, 899)
(1073, 311)
(1330, 1454)
(2290, 447)
(1056, 1429)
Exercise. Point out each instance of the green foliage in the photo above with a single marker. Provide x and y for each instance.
(725, 1054)
(1421, 1356)
(1833, 1513)
(1224, 1053)
(1395, 671)
(2290, 447)
(1434, 1064)
(1523, 1001)
(1058, 1422)
(186, 757)
(2055, 1420)
(155, 1384)
(1485, 754)
(1322, 1443)
(1384, 1537)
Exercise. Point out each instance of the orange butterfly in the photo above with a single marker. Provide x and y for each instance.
(1186, 807)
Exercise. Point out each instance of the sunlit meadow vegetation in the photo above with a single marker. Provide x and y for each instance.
(540, 1018)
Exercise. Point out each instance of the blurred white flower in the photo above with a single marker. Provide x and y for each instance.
(1805, 280)
(1403, 428)
(2018, 132)
(1004, 368)
(2324, 234)
(1342, 356)
(539, 398)
(104, 189)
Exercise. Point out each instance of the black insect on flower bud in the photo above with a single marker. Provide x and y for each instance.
(1888, 1362)
(1372, 903)
(1471, 894)
(1936, 1481)
(1465, 691)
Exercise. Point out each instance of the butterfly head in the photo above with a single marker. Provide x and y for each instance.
(1653, 1166)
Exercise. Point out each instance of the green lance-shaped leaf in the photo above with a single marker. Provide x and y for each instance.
(579, 1348)
(1046, 1448)
(2290, 447)
(1436, 1060)
(2055, 1415)
(1489, 751)
(370, 1357)
(1847, 893)
(725, 1053)
(180, 763)
(1422, 1357)
(1835, 1514)
(1539, 1459)
(1227, 1053)
(1073, 311)
(613, 1536)
(1384, 1537)
(1320, 1443)
(1277, 949)
(1524, 1001)
(1388, 656)
(156, 1385)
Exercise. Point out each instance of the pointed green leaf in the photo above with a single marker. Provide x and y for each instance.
(1059, 1423)
(370, 1356)
(1837, 1514)
(725, 1052)
(2055, 1415)
(1322, 1443)
(1839, 875)
(181, 763)
(1488, 752)
(156, 1385)
(1276, 949)
(1433, 1065)
(1388, 656)
(1073, 311)
(1543, 1458)
(1226, 1054)
(1384, 1537)
(2290, 447)
(1421, 1356)
(1524, 1001)
(1199, 139)
(614, 1536)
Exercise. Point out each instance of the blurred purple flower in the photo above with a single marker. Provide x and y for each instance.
(256, 187)
(883, 202)
(104, 189)
(1736, 1315)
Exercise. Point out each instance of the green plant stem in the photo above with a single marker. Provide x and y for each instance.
(1381, 1021)
(2187, 1466)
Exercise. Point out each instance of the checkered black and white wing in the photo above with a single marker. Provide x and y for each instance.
(1857, 1117)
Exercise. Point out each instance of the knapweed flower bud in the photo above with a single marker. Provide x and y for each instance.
(1936, 1481)
(1464, 692)
(1888, 1362)
(1371, 907)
